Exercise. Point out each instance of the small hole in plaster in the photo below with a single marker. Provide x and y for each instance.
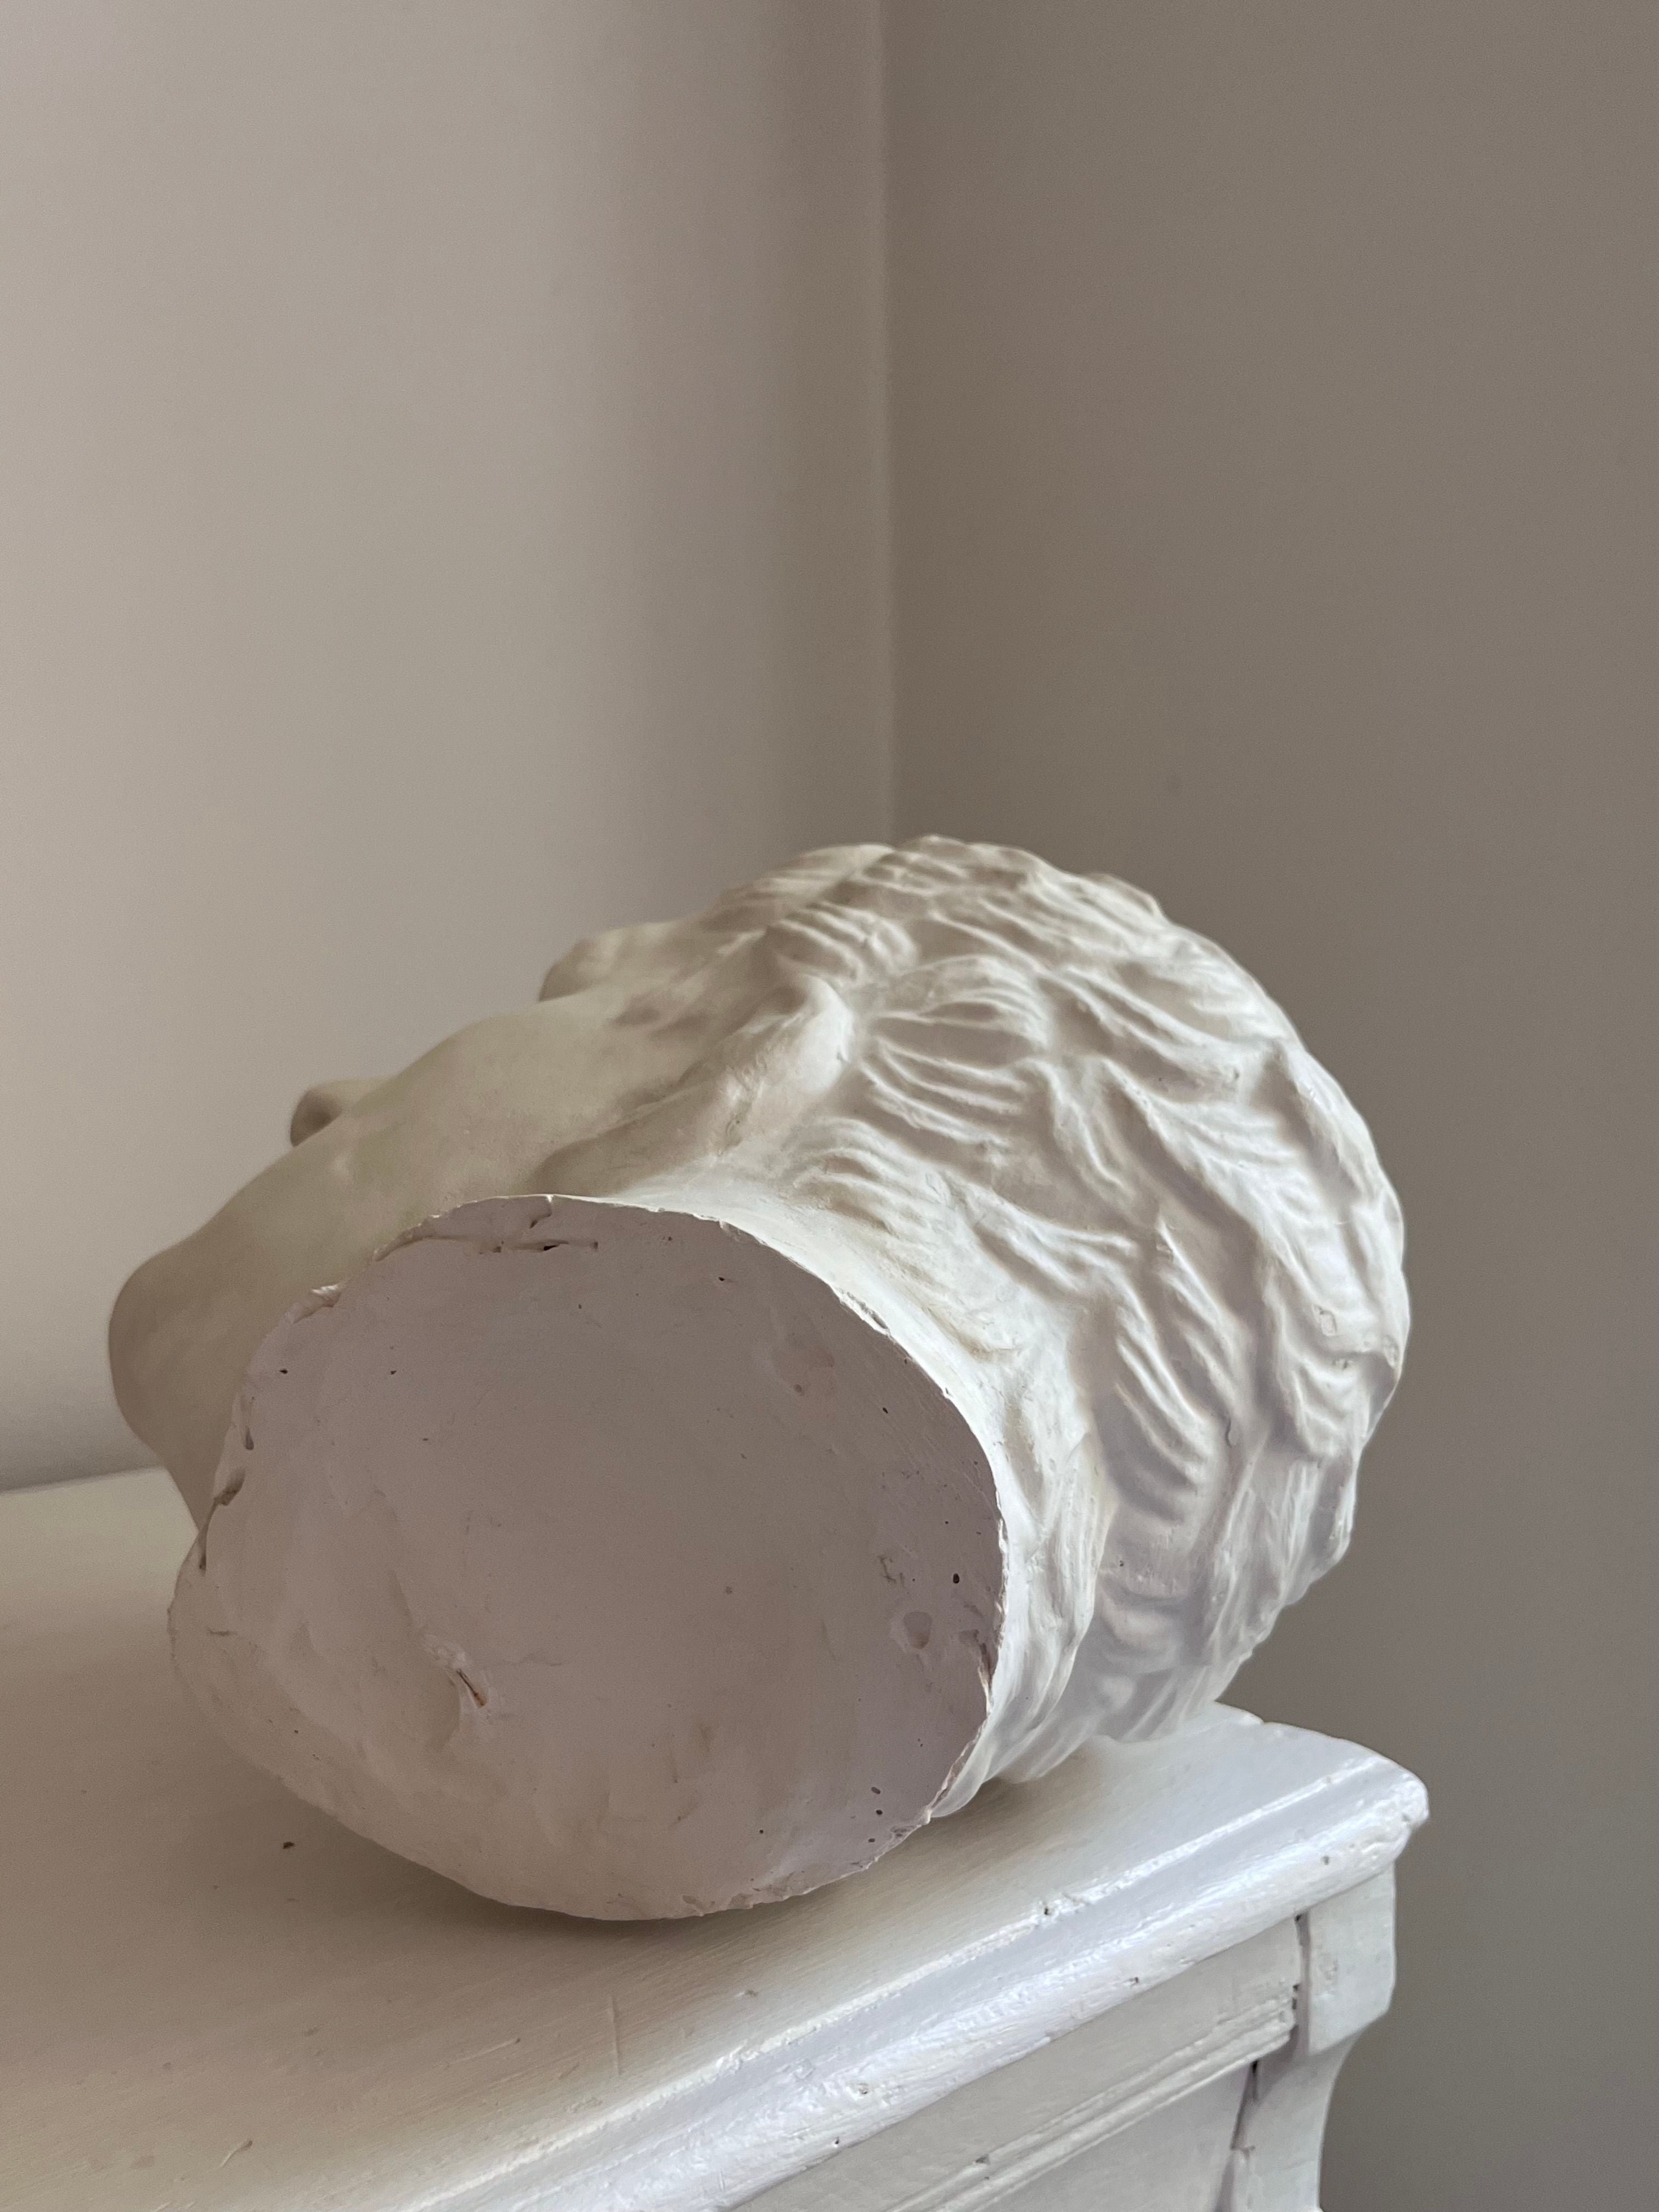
(916, 1629)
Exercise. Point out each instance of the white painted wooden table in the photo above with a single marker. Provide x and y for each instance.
(1127, 1986)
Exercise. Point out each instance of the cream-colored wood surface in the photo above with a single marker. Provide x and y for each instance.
(1206, 2094)
(1075, 2106)
(214, 1998)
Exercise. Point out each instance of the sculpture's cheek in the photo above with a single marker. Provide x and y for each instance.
(603, 1558)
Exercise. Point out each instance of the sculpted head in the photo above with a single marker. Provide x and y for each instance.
(937, 1319)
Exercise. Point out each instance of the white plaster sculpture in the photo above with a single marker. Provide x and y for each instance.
(923, 1312)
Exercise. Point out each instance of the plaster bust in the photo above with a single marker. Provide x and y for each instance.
(668, 1443)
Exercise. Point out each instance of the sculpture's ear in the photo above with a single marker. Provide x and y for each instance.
(325, 1101)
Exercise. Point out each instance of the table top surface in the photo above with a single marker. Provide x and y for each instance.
(213, 1996)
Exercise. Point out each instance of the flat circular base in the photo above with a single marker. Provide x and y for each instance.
(601, 1557)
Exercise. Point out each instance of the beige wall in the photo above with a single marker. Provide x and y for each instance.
(1273, 444)
(442, 513)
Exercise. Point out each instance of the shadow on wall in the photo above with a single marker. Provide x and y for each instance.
(1275, 526)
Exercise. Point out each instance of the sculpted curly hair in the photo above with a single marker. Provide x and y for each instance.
(1170, 1257)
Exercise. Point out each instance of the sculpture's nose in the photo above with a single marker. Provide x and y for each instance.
(325, 1102)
